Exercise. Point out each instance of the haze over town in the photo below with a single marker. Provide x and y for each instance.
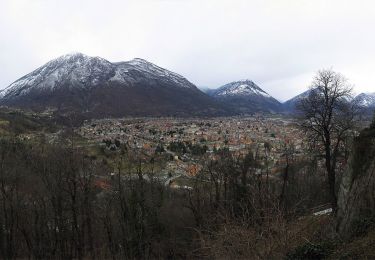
(278, 44)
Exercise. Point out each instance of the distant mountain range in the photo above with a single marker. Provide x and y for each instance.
(95, 87)
(366, 101)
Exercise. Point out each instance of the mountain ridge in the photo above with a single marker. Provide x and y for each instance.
(84, 84)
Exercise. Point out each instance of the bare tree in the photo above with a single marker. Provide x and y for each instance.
(288, 154)
(372, 125)
(328, 116)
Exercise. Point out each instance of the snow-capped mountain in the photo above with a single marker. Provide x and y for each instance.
(93, 85)
(366, 100)
(80, 71)
(246, 97)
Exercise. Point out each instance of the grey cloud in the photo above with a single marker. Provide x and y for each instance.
(278, 44)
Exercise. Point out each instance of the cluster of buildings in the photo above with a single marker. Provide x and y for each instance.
(240, 135)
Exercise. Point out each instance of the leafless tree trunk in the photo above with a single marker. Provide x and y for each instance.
(328, 115)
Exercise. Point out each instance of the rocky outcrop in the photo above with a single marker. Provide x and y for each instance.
(356, 199)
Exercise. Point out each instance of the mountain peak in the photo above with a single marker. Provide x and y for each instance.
(77, 57)
(246, 97)
(140, 60)
(141, 63)
(248, 81)
(74, 54)
(71, 57)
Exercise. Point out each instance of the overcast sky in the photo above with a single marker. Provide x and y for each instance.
(278, 44)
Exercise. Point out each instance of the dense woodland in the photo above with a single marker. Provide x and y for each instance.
(56, 204)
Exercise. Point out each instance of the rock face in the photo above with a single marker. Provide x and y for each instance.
(356, 198)
(245, 96)
(99, 88)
